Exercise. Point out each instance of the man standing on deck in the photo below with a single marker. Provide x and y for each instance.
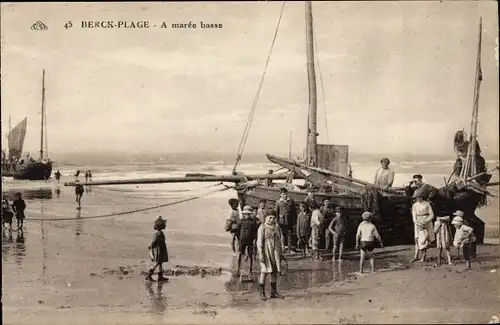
(287, 217)
(384, 177)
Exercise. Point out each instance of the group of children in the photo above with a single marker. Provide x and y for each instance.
(18, 207)
(311, 224)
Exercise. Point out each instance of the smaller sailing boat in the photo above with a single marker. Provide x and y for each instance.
(27, 168)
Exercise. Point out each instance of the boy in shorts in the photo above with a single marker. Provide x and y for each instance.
(247, 231)
(365, 240)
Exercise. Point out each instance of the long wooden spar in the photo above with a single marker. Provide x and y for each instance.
(239, 178)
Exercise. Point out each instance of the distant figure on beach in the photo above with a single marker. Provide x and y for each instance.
(464, 238)
(79, 190)
(58, 176)
(424, 231)
(384, 177)
(270, 249)
(442, 232)
(269, 182)
(365, 240)
(90, 175)
(231, 225)
(317, 220)
(303, 228)
(158, 249)
(338, 228)
(7, 213)
(18, 206)
(77, 174)
(287, 218)
(86, 176)
(247, 234)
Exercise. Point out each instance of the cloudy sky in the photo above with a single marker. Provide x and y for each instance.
(398, 76)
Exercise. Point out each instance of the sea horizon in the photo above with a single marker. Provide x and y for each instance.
(225, 158)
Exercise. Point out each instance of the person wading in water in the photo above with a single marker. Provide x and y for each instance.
(158, 249)
(79, 193)
(58, 176)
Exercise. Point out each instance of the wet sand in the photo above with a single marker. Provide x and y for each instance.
(91, 272)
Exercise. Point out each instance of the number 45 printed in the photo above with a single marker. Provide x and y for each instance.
(69, 24)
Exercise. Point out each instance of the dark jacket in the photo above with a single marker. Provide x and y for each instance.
(247, 230)
(287, 212)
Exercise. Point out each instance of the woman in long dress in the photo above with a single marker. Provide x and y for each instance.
(424, 231)
(269, 246)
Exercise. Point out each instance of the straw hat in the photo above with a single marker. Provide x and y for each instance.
(459, 213)
(366, 215)
(457, 221)
(247, 209)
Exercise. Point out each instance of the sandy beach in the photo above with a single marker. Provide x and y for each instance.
(91, 271)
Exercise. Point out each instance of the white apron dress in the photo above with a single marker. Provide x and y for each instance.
(269, 248)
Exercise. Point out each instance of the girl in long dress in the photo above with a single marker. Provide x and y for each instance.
(443, 237)
(424, 231)
(269, 246)
(158, 249)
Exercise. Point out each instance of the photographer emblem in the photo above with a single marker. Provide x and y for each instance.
(39, 26)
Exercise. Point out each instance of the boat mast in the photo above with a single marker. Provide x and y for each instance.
(43, 113)
(312, 117)
(470, 165)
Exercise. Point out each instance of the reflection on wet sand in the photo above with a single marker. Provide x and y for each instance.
(298, 277)
(7, 240)
(158, 302)
(78, 224)
(43, 233)
(30, 194)
(20, 247)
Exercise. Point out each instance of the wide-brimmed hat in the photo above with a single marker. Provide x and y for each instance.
(366, 215)
(459, 213)
(247, 209)
(457, 221)
(233, 201)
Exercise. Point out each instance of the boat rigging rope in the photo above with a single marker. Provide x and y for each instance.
(246, 130)
(115, 214)
(121, 193)
(321, 84)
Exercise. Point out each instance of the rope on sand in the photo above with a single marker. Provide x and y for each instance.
(114, 214)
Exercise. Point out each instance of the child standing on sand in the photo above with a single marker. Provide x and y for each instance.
(316, 222)
(464, 237)
(303, 228)
(158, 249)
(443, 237)
(231, 222)
(365, 240)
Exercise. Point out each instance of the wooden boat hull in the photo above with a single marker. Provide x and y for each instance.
(395, 222)
(33, 171)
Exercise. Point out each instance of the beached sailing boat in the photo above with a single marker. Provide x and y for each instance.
(27, 168)
(326, 169)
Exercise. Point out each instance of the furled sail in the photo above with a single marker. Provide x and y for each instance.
(16, 138)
